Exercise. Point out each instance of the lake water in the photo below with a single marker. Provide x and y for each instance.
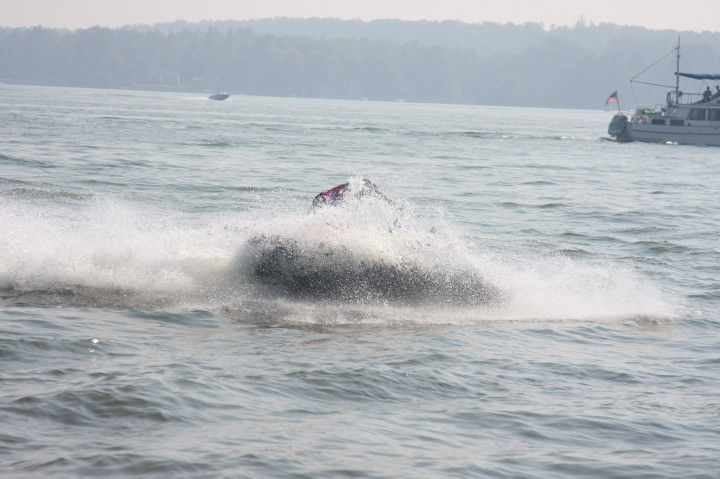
(138, 337)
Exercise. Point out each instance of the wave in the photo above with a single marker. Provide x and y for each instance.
(500, 135)
(40, 193)
(27, 161)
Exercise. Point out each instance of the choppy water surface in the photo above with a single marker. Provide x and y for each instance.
(538, 302)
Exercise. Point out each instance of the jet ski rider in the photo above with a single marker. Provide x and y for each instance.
(335, 196)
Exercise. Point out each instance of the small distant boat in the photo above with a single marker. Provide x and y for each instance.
(687, 118)
(219, 96)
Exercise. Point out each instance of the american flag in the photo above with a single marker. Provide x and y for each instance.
(612, 98)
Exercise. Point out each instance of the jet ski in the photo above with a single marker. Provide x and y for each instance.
(352, 247)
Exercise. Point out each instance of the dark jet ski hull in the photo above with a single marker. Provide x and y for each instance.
(321, 272)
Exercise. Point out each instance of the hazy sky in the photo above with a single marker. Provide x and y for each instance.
(697, 15)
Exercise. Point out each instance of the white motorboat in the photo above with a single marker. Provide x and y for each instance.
(688, 118)
(219, 96)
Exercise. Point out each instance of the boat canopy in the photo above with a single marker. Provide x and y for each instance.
(701, 76)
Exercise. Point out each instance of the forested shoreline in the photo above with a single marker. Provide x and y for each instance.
(450, 62)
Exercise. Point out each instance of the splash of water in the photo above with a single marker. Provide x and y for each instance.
(365, 256)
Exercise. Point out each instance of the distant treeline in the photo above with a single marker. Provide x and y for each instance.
(453, 62)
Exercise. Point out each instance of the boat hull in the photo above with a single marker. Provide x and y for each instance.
(694, 135)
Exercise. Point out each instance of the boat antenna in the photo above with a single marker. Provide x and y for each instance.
(677, 73)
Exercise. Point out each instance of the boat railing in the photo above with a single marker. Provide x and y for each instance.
(682, 98)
